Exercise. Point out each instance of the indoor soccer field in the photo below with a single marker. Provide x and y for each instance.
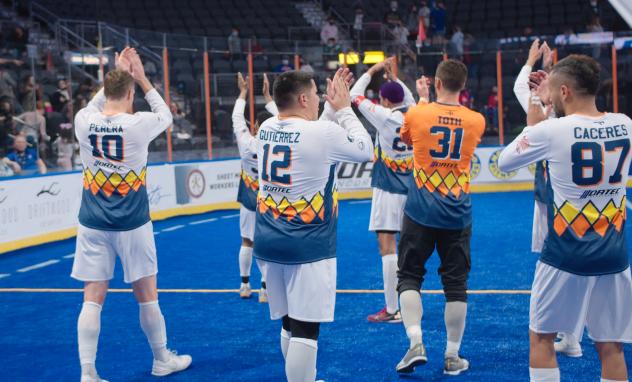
(234, 340)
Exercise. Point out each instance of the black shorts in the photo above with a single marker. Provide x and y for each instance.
(416, 245)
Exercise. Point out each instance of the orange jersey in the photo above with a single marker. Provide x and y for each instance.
(444, 138)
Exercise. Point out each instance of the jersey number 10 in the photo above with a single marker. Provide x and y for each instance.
(111, 147)
(595, 162)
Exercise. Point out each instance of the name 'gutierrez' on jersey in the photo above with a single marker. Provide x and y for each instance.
(114, 151)
(298, 200)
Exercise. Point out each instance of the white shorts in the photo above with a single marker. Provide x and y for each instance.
(565, 302)
(305, 292)
(96, 253)
(387, 211)
(247, 223)
(540, 226)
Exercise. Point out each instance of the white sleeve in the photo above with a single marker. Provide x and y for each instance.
(360, 86)
(329, 114)
(532, 145)
(377, 115)
(246, 143)
(349, 141)
(271, 107)
(521, 87)
(409, 99)
(159, 119)
(97, 102)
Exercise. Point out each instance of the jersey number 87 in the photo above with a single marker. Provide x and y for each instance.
(581, 162)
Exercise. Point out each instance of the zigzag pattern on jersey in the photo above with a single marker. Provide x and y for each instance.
(114, 183)
(443, 184)
(396, 165)
(249, 181)
(579, 221)
(306, 211)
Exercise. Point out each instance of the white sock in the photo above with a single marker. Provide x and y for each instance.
(245, 261)
(389, 275)
(410, 301)
(285, 341)
(454, 317)
(300, 364)
(544, 375)
(153, 324)
(612, 380)
(88, 328)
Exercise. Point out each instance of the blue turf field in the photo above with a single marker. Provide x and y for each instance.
(233, 340)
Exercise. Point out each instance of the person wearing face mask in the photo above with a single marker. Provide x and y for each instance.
(392, 17)
(328, 31)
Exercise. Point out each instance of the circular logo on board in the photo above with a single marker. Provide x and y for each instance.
(475, 167)
(195, 183)
(493, 167)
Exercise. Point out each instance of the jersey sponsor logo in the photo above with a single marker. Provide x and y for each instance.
(591, 193)
(475, 166)
(497, 172)
(195, 183)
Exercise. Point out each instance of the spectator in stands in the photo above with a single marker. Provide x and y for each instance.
(255, 47)
(331, 49)
(424, 13)
(466, 99)
(182, 128)
(234, 43)
(86, 87)
(150, 68)
(18, 39)
(595, 27)
(7, 85)
(25, 157)
(65, 146)
(412, 22)
(60, 97)
(392, 18)
(591, 9)
(400, 34)
(456, 42)
(7, 169)
(491, 110)
(284, 66)
(32, 124)
(7, 126)
(438, 21)
(358, 23)
(328, 31)
(30, 93)
(306, 67)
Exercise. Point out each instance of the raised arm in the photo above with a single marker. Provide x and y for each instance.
(270, 105)
(246, 143)
(521, 86)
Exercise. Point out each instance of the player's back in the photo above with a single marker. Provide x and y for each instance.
(113, 150)
(298, 201)
(588, 163)
(444, 138)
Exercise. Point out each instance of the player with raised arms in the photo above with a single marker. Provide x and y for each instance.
(114, 214)
(295, 233)
(583, 276)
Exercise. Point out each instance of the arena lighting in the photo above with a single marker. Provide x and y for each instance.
(87, 59)
(373, 57)
(352, 58)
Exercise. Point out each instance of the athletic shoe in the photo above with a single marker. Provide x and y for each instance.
(90, 378)
(263, 295)
(384, 316)
(245, 291)
(174, 364)
(413, 358)
(568, 348)
(455, 365)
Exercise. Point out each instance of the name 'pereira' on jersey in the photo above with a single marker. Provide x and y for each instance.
(113, 152)
(444, 138)
(247, 145)
(393, 158)
(297, 208)
(588, 161)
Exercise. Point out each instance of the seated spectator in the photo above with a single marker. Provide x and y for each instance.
(7, 169)
(491, 110)
(466, 99)
(284, 66)
(60, 97)
(30, 93)
(65, 147)
(33, 124)
(234, 43)
(25, 157)
(328, 31)
(182, 128)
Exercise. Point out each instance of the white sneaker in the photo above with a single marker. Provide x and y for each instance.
(245, 291)
(174, 364)
(568, 347)
(263, 295)
(91, 378)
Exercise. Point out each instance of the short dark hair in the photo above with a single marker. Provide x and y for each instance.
(117, 83)
(262, 116)
(582, 70)
(453, 74)
(288, 85)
